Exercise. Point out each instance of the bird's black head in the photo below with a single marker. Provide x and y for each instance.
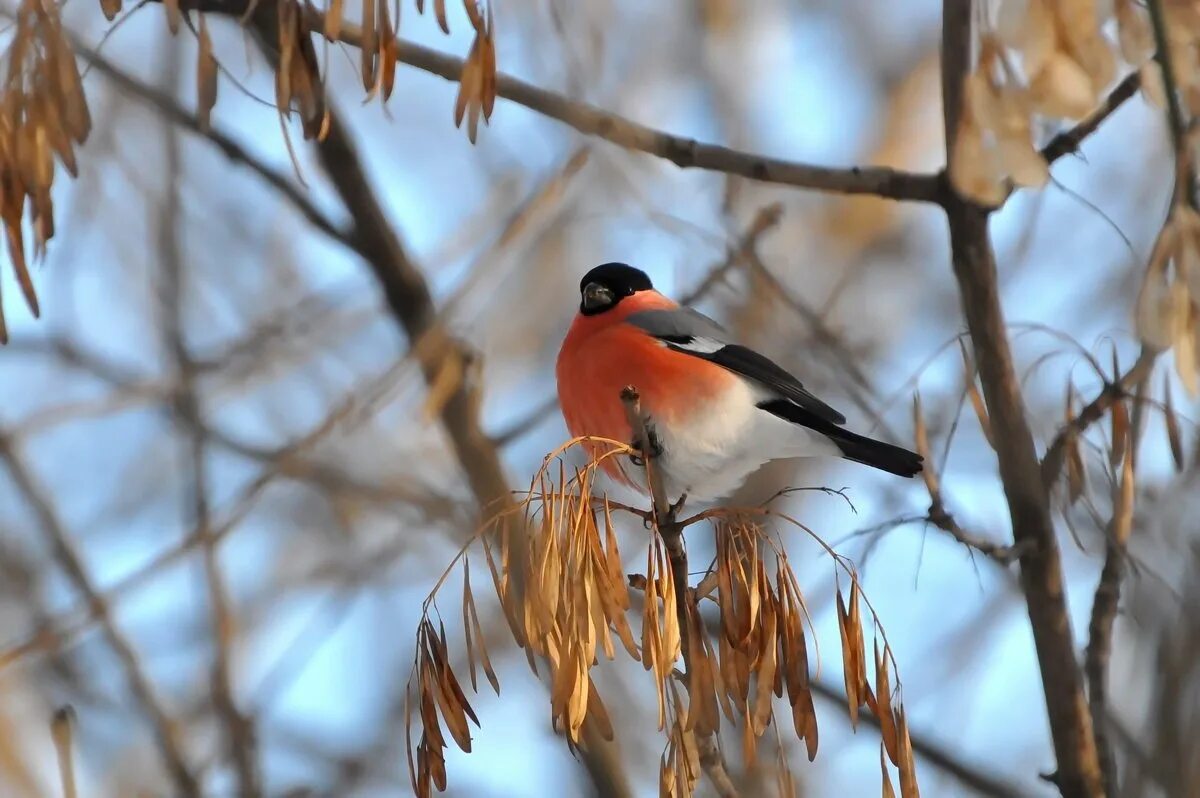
(607, 284)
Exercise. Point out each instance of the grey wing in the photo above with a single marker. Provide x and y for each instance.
(691, 332)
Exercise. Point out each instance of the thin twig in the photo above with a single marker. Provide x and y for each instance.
(947, 761)
(170, 108)
(239, 729)
(1052, 462)
(1068, 141)
(1002, 554)
(166, 731)
(412, 307)
(1104, 614)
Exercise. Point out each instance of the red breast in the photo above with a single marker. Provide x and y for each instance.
(602, 354)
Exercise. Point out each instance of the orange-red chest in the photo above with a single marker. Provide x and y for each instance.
(602, 354)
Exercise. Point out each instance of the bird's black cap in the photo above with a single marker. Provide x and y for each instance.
(620, 278)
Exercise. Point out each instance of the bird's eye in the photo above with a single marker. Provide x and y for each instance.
(596, 296)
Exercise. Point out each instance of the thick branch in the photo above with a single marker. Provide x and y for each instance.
(1028, 500)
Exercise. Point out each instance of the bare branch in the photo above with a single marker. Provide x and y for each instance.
(1068, 141)
(1104, 612)
(408, 296)
(1028, 500)
(879, 181)
(169, 108)
(165, 728)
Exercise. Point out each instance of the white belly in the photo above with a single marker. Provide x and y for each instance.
(724, 441)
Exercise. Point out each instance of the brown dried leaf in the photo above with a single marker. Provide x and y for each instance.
(749, 738)
(487, 91)
(476, 19)
(888, 790)
(1076, 470)
(1120, 431)
(1062, 88)
(908, 768)
(110, 8)
(921, 440)
(1134, 34)
(1173, 437)
(369, 46)
(598, 712)
(765, 667)
(883, 701)
(449, 697)
(1158, 314)
(975, 396)
(849, 672)
(439, 11)
(333, 20)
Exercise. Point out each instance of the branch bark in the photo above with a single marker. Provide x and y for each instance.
(1028, 500)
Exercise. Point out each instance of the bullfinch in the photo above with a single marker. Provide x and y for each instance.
(716, 410)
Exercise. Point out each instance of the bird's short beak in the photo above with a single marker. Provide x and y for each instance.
(596, 296)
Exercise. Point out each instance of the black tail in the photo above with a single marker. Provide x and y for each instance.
(859, 448)
(877, 454)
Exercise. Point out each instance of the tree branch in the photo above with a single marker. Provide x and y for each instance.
(1068, 141)
(1104, 615)
(177, 114)
(166, 731)
(1095, 410)
(684, 152)
(1028, 500)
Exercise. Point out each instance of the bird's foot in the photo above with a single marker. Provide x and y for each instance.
(655, 447)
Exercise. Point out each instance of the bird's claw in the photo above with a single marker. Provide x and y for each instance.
(655, 447)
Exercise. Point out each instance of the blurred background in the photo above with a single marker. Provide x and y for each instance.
(211, 363)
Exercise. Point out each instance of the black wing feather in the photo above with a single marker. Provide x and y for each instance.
(752, 365)
(683, 328)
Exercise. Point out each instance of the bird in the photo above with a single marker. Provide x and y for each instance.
(715, 410)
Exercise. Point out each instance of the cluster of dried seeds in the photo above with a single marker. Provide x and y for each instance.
(44, 113)
(1168, 306)
(1050, 59)
(43, 116)
(560, 579)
